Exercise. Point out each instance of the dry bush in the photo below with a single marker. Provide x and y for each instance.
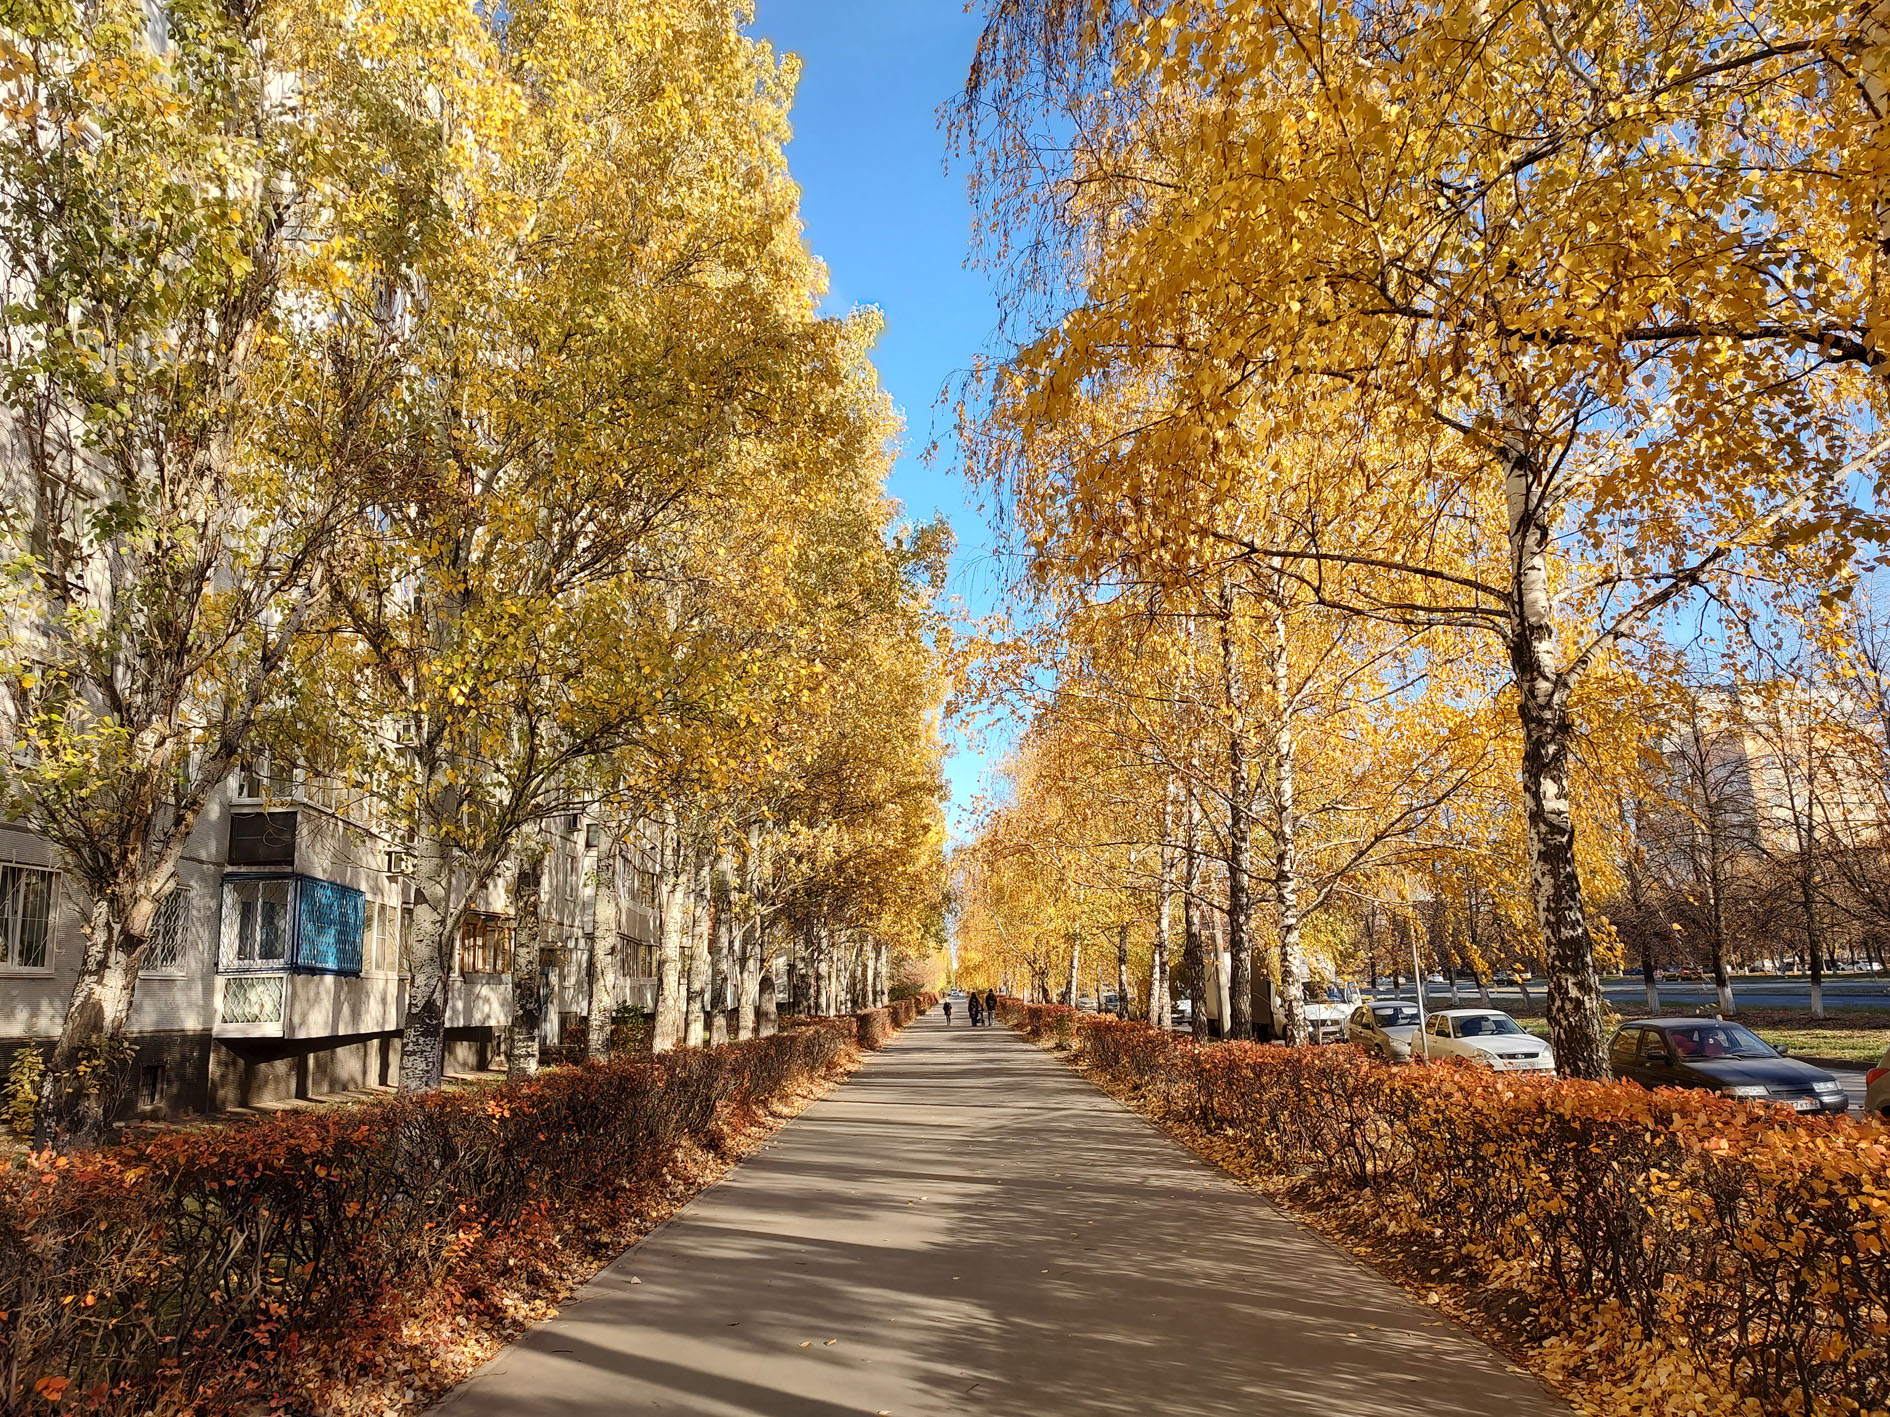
(1675, 1240)
(213, 1270)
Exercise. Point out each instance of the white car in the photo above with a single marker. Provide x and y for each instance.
(1486, 1037)
(1388, 1027)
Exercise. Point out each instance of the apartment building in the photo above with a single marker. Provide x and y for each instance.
(275, 971)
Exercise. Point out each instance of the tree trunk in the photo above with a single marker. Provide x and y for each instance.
(753, 939)
(605, 970)
(1159, 1012)
(528, 995)
(1293, 1025)
(673, 905)
(1192, 955)
(1814, 936)
(701, 922)
(1076, 954)
(725, 975)
(1239, 1020)
(436, 920)
(748, 994)
(1122, 970)
(1716, 920)
(1575, 1001)
(89, 1069)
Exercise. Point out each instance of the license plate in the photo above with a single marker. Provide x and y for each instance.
(1807, 1104)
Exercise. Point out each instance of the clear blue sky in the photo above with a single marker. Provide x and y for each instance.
(894, 227)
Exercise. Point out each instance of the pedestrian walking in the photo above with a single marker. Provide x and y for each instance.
(977, 1010)
(990, 1004)
(948, 1013)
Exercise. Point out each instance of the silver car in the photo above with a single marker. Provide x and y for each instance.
(1386, 1026)
(1877, 1089)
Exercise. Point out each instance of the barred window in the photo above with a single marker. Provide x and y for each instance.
(26, 896)
(256, 922)
(485, 942)
(167, 949)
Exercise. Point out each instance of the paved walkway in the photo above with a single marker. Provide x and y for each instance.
(966, 1226)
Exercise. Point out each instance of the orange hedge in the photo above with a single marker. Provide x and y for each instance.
(1686, 1241)
(875, 1027)
(218, 1270)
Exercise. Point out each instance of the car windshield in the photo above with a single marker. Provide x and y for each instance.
(1718, 1040)
(1487, 1026)
(1395, 1015)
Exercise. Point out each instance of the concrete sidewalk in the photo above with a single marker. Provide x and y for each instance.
(966, 1226)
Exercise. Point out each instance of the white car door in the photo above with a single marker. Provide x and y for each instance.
(1440, 1042)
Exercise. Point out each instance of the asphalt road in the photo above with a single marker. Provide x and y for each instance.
(1630, 995)
(965, 1226)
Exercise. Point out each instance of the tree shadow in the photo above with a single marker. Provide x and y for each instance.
(965, 1226)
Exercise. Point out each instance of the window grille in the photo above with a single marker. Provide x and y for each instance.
(26, 896)
(485, 944)
(328, 935)
(167, 949)
(294, 923)
(253, 998)
(258, 922)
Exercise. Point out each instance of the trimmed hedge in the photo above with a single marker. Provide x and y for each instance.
(1680, 1243)
(229, 1268)
(874, 1028)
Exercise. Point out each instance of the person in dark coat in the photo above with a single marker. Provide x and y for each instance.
(977, 1009)
(990, 1005)
(948, 1013)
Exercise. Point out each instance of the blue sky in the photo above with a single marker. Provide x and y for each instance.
(893, 227)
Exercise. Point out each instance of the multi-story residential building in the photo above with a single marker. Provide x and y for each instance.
(275, 968)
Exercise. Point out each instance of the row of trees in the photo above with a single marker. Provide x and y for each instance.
(1413, 369)
(434, 396)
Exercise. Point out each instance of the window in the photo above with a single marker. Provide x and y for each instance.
(645, 888)
(256, 922)
(485, 944)
(1653, 1046)
(166, 951)
(151, 1085)
(1441, 1027)
(26, 895)
(382, 952)
(261, 781)
(1621, 1051)
(290, 923)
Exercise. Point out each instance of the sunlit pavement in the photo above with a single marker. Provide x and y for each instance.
(966, 1226)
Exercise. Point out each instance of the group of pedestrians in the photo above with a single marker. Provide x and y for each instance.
(982, 1010)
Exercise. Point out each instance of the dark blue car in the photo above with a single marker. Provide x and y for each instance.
(1721, 1057)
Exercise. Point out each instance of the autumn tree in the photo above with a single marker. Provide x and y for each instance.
(206, 215)
(1537, 249)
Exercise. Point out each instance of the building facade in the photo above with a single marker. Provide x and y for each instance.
(275, 971)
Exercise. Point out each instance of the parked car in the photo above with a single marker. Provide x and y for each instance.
(1487, 1037)
(1184, 1012)
(1721, 1057)
(1386, 1026)
(1877, 1089)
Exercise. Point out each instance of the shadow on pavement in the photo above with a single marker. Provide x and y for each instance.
(965, 1226)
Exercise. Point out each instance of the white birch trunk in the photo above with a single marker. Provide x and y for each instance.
(696, 995)
(1575, 1001)
(605, 945)
(1159, 1012)
(528, 934)
(673, 908)
(436, 920)
(1238, 1022)
(1295, 1030)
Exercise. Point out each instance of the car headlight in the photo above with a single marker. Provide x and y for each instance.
(1747, 1091)
(1828, 1085)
